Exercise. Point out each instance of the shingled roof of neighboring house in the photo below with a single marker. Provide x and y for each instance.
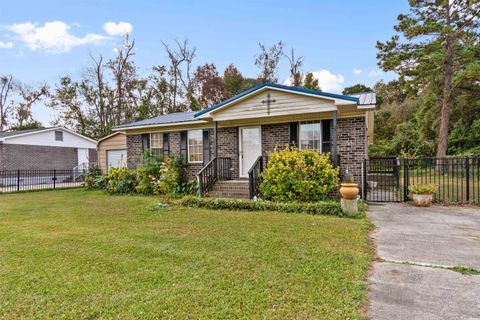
(19, 132)
(176, 117)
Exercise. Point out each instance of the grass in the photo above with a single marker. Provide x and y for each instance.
(84, 255)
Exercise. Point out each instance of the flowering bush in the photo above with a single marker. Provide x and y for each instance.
(169, 180)
(121, 180)
(298, 175)
(148, 173)
(157, 175)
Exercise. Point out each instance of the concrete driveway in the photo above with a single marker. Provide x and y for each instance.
(415, 247)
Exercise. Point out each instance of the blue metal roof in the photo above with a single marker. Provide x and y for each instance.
(278, 86)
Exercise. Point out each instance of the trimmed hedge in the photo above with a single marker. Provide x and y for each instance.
(329, 208)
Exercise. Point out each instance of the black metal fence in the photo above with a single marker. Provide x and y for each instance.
(22, 180)
(457, 179)
(382, 180)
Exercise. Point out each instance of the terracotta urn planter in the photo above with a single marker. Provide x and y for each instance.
(349, 190)
(422, 200)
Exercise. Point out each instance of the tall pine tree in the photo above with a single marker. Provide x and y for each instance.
(430, 56)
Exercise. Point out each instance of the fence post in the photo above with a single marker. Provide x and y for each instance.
(18, 180)
(405, 179)
(467, 171)
(54, 178)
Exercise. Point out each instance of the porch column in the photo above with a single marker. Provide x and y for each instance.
(215, 137)
(334, 137)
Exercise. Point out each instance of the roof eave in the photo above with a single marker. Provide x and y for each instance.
(46, 130)
(159, 125)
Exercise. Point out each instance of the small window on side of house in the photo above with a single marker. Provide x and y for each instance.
(58, 135)
(156, 144)
(195, 146)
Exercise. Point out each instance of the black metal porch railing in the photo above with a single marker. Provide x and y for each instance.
(254, 176)
(219, 168)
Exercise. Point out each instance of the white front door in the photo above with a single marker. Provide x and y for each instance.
(82, 156)
(250, 148)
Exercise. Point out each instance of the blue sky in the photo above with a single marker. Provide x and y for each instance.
(335, 37)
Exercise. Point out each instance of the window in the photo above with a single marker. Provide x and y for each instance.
(58, 135)
(310, 135)
(156, 144)
(195, 146)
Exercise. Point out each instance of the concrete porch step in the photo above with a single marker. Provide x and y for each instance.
(234, 189)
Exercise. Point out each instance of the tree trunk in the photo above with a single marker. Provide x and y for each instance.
(447, 89)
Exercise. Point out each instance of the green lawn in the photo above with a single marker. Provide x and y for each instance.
(84, 255)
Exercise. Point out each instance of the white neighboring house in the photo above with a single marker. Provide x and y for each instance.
(45, 149)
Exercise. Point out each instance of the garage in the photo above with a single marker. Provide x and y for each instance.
(112, 151)
(116, 158)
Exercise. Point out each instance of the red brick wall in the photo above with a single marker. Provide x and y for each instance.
(30, 157)
(275, 135)
(228, 146)
(135, 152)
(351, 137)
(352, 144)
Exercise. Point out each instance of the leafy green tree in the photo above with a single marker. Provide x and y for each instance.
(65, 99)
(233, 81)
(34, 124)
(432, 55)
(310, 82)
(357, 88)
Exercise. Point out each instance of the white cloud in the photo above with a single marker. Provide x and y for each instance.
(328, 81)
(117, 29)
(375, 73)
(53, 36)
(357, 71)
(6, 45)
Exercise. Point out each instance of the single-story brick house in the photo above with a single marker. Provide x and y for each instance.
(45, 149)
(247, 126)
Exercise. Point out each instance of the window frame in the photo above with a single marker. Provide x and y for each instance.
(152, 140)
(199, 145)
(320, 141)
(60, 133)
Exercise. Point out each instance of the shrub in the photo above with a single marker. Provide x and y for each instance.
(330, 208)
(170, 180)
(422, 188)
(94, 179)
(147, 173)
(121, 180)
(298, 175)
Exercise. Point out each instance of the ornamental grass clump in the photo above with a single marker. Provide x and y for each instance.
(298, 175)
